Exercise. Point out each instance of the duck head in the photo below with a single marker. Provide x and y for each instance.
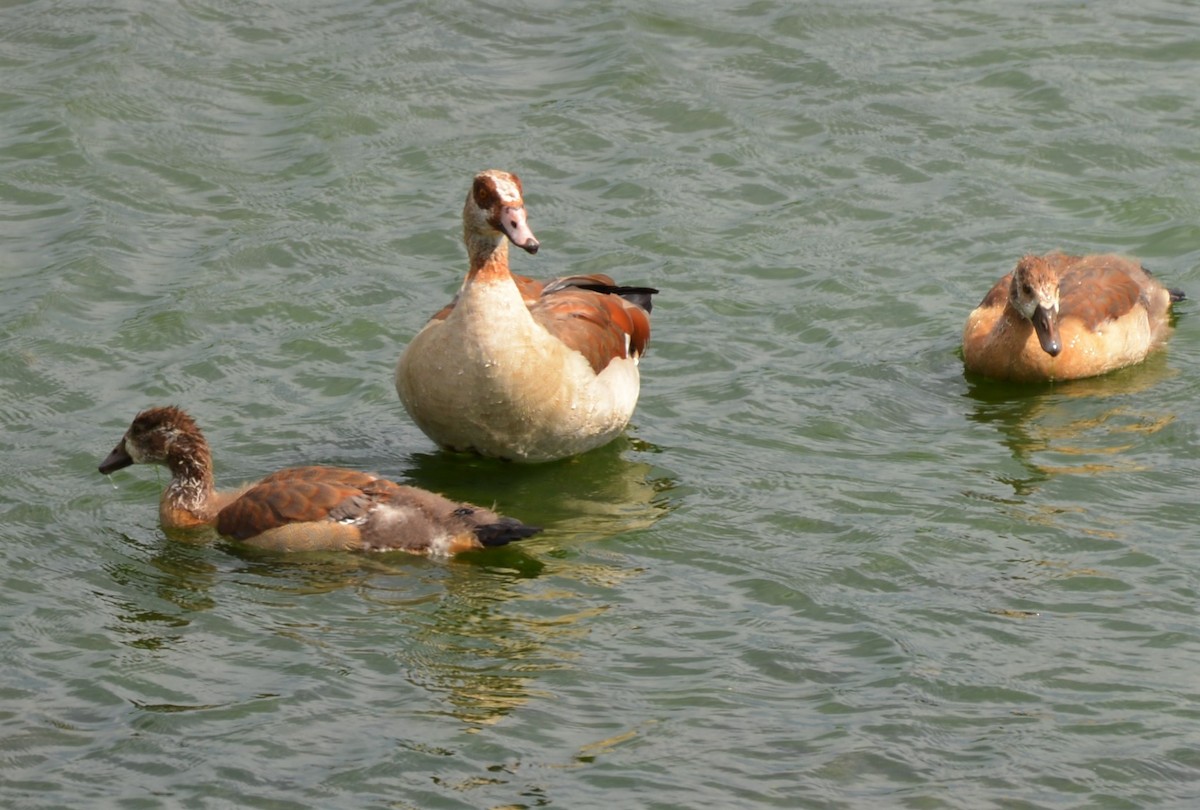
(495, 207)
(156, 436)
(1034, 294)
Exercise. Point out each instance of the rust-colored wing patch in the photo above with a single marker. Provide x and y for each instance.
(300, 495)
(601, 327)
(1097, 289)
(327, 475)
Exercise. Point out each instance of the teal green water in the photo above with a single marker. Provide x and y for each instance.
(824, 569)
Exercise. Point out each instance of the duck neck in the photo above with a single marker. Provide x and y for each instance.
(488, 254)
(191, 488)
(1014, 322)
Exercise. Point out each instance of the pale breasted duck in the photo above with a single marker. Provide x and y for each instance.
(1059, 317)
(303, 508)
(519, 369)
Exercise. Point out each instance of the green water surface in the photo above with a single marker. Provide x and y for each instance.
(822, 569)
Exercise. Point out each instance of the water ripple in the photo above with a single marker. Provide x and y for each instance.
(824, 568)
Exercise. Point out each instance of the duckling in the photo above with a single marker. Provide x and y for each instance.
(303, 508)
(1060, 317)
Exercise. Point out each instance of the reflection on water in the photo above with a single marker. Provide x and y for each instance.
(599, 494)
(179, 574)
(467, 629)
(1079, 427)
(484, 656)
(480, 652)
(253, 210)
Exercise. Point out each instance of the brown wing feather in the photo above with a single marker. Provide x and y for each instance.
(639, 338)
(1096, 289)
(328, 475)
(599, 326)
(300, 495)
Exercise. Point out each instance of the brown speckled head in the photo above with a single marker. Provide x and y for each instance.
(158, 436)
(496, 206)
(1034, 294)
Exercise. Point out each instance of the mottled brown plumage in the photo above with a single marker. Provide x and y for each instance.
(518, 368)
(1060, 317)
(303, 508)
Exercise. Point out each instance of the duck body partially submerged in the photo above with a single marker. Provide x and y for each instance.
(303, 508)
(1060, 317)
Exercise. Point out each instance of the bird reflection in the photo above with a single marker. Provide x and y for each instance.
(1078, 427)
(179, 575)
(596, 495)
(487, 639)
(474, 630)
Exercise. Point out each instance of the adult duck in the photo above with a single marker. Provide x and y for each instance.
(519, 369)
(1060, 317)
(302, 508)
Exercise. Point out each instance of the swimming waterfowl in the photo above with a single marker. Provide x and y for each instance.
(1060, 317)
(303, 508)
(519, 369)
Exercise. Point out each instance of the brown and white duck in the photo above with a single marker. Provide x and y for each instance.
(519, 369)
(303, 508)
(1060, 317)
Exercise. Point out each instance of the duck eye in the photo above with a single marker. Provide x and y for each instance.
(485, 196)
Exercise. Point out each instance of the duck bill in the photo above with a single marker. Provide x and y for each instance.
(118, 459)
(516, 228)
(1046, 326)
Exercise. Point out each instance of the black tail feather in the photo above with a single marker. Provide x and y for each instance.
(504, 531)
(1176, 293)
(635, 295)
